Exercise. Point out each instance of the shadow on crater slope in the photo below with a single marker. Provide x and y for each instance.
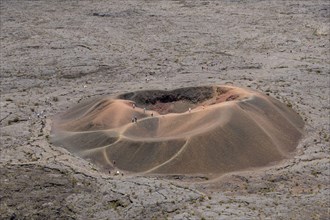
(207, 130)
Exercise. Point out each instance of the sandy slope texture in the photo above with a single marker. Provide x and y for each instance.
(194, 130)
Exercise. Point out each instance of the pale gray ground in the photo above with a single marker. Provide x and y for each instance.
(56, 53)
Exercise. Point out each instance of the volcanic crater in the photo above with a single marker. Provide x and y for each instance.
(208, 130)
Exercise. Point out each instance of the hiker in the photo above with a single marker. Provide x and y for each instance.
(133, 105)
(189, 110)
(135, 119)
(144, 110)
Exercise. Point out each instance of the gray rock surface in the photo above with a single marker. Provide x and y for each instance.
(57, 53)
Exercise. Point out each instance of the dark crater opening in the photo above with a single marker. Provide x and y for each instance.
(174, 101)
